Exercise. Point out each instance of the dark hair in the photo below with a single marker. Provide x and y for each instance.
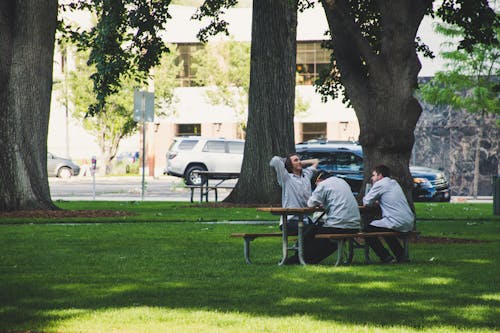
(322, 176)
(382, 170)
(288, 162)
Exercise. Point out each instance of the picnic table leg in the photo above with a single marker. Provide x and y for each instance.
(406, 248)
(284, 239)
(340, 251)
(300, 245)
(215, 191)
(192, 193)
(367, 252)
(246, 248)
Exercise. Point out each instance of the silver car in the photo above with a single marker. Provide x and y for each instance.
(187, 155)
(61, 167)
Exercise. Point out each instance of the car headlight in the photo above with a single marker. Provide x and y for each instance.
(421, 181)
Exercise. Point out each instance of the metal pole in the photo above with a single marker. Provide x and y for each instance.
(143, 109)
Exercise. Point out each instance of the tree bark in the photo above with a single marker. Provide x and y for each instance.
(271, 100)
(27, 34)
(380, 81)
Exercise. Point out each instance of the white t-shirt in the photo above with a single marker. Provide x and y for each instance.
(396, 213)
(335, 195)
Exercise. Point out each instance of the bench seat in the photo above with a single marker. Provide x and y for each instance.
(344, 254)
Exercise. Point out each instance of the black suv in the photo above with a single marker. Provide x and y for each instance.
(345, 160)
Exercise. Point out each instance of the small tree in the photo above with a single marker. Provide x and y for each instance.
(470, 82)
(116, 122)
(224, 67)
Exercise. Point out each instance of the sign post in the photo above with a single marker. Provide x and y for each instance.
(143, 111)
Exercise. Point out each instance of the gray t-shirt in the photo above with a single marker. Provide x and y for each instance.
(396, 213)
(335, 195)
(295, 190)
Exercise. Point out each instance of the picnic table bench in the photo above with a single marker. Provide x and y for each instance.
(346, 242)
(205, 187)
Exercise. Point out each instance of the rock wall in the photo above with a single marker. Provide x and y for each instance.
(446, 139)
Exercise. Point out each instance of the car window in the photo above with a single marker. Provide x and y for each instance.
(235, 147)
(215, 147)
(348, 162)
(187, 144)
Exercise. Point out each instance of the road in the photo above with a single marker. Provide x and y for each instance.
(163, 188)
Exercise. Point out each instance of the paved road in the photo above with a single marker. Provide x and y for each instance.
(164, 188)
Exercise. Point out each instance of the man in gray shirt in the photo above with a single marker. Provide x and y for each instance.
(342, 217)
(396, 213)
(295, 182)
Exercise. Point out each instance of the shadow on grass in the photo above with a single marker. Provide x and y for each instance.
(53, 273)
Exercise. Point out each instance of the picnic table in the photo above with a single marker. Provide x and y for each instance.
(205, 187)
(344, 253)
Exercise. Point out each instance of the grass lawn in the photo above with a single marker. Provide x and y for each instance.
(69, 275)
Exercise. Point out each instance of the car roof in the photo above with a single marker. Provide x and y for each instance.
(195, 137)
(329, 146)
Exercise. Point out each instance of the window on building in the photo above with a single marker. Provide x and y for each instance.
(187, 75)
(188, 129)
(311, 60)
(312, 131)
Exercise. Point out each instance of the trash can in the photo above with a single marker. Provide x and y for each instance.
(496, 195)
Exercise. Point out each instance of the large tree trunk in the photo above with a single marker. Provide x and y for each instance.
(380, 81)
(27, 33)
(271, 100)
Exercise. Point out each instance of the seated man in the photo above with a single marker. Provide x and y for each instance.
(295, 182)
(342, 216)
(396, 213)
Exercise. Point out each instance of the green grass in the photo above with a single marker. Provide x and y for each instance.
(191, 277)
(151, 211)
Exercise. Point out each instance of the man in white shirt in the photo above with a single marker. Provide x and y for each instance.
(396, 213)
(295, 182)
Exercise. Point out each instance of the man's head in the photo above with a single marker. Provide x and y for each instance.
(322, 176)
(379, 172)
(293, 164)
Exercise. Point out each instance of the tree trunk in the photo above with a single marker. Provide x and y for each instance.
(27, 33)
(380, 81)
(270, 128)
(477, 155)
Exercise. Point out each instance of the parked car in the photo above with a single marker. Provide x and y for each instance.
(345, 160)
(187, 155)
(61, 167)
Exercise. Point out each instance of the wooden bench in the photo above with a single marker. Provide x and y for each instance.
(204, 190)
(344, 254)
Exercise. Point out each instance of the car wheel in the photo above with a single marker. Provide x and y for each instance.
(192, 178)
(64, 173)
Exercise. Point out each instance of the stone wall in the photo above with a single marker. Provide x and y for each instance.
(446, 139)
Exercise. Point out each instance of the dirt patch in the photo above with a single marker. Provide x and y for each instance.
(65, 213)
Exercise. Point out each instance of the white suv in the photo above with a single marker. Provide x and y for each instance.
(195, 153)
